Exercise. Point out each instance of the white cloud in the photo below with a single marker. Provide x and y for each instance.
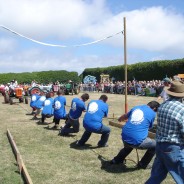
(155, 29)
(63, 19)
(36, 60)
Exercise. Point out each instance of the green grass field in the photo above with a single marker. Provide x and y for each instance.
(52, 159)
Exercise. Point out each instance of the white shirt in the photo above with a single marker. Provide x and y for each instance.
(164, 95)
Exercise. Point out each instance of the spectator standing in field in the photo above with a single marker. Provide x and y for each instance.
(15, 83)
(77, 107)
(59, 108)
(163, 94)
(48, 109)
(135, 133)
(6, 87)
(12, 86)
(170, 137)
(92, 122)
(33, 83)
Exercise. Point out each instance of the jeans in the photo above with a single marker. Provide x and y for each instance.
(71, 123)
(148, 144)
(169, 158)
(105, 131)
(44, 116)
(56, 120)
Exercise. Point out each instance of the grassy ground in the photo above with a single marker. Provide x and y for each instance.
(52, 159)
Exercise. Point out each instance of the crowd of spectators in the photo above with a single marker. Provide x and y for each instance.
(134, 87)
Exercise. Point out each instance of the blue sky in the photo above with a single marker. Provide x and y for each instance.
(155, 31)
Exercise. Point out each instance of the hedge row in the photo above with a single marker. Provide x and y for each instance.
(140, 71)
(42, 77)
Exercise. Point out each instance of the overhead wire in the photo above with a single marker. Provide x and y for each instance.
(56, 45)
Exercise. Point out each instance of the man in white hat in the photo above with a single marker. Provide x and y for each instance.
(170, 137)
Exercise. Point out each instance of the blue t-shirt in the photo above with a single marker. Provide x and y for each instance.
(48, 106)
(77, 107)
(140, 119)
(39, 103)
(34, 98)
(96, 110)
(59, 107)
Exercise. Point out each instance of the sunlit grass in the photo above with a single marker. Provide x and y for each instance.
(52, 159)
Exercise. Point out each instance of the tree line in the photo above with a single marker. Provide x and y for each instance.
(44, 77)
(139, 71)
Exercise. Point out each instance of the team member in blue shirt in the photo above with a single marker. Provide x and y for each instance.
(39, 104)
(34, 98)
(77, 107)
(59, 108)
(135, 133)
(48, 109)
(96, 111)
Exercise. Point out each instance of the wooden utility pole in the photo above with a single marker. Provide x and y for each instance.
(125, 65)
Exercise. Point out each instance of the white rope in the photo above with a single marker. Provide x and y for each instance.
(54, 45)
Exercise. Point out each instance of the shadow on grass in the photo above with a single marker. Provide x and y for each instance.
(40, 123)
(75, 146)
(85, 146)
(51, 128)
(29, 114)
(17, 171)
(35, 118)
(69, 135)
(114, 168)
